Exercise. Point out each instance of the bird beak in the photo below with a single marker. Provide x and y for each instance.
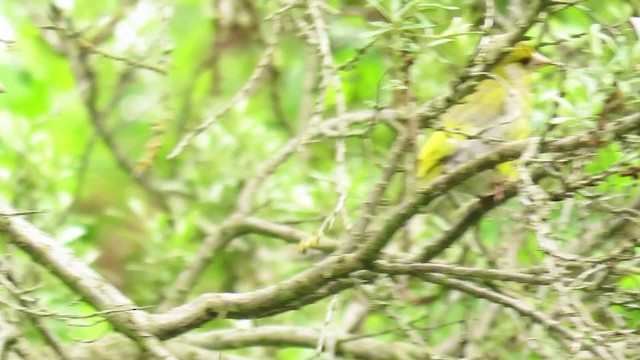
(538, 60)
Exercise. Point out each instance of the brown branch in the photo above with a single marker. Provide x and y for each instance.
(291, 336)
(460, 271)
(290, 234)
(85, 73)
(301, 288)
(234, 227)
(521, 308)
(316, 131)
(288, 295)
(472, 213)
(187, 279)
(27, 302)
(117, 346)
(89, 47)
(83, 280)
(491, 51)
(401, 214)
(249, 88)
(372, 202)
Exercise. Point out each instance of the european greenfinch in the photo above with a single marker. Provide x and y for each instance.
(499, 109)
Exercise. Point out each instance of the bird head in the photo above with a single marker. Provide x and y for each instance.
(520, 63)
(525, 55)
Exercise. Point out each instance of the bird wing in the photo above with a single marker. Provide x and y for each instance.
(477, 110)
(440, 146)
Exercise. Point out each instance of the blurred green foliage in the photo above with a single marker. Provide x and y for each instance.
(53, 160)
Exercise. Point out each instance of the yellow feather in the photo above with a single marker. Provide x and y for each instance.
(499, 108)
(434, 152)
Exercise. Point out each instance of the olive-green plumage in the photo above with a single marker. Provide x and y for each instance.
(499, 108)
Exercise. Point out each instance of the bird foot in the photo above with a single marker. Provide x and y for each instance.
(499, 189)
(498, 192)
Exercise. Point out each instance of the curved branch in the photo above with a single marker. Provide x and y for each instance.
(521, 308)
(278, 298)
(461, 271)
(405, 211)
(232, 228)
(118, 309)
(287, 336)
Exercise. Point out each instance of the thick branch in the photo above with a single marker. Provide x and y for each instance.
(277, 298)
(287, 336)
(120, 310)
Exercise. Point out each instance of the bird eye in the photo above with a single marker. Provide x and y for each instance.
(525, 61)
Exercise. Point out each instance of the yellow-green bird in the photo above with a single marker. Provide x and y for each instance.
(498, 109)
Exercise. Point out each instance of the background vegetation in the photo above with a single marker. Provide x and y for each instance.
(234, 180)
